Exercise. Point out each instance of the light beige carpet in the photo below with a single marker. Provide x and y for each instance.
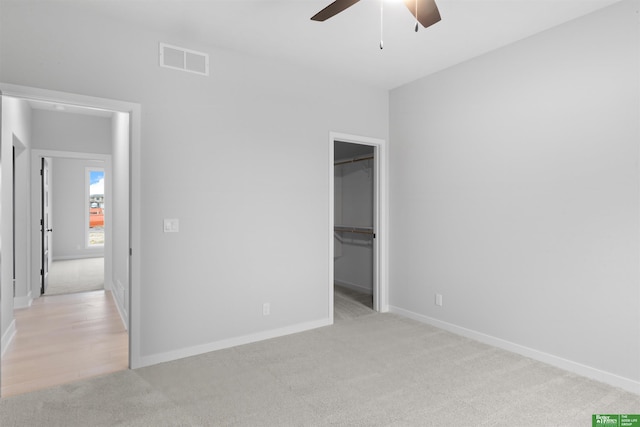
(76, 275)
(373, 370)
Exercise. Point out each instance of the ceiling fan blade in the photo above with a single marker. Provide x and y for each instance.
(428, 13)
(333, 9)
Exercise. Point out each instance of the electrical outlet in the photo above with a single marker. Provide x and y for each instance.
(439, 300)
(266, 309)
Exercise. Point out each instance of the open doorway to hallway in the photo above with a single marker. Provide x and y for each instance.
(53, 339)
(71, 331)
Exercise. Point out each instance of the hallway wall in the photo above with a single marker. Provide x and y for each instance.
(15, 124)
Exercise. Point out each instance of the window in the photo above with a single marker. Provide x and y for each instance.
(96, 207)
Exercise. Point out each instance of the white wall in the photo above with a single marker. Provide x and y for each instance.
(120, 214)
(63, 131)
(69, 209)
(22, 228)
(353, 265)
(15, 124)
(514, 194)
(240, 158)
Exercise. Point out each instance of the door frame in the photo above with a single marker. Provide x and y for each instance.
(134, 112)
(380, 218)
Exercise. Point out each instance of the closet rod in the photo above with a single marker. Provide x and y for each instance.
(357, 159)
(358, 230)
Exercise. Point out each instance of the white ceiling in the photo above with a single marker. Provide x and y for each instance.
(347, 44)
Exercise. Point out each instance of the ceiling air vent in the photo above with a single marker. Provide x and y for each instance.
(183, 59)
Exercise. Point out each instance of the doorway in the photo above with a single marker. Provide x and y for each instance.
(354, 233)
(76, 223)
(129, 125)
(83, 326)
(358, 235)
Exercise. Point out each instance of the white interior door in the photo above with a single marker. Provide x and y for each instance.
(46, 229)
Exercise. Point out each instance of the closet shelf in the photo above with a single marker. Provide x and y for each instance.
(352, 229)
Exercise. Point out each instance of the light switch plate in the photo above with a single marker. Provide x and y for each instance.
(171, 225)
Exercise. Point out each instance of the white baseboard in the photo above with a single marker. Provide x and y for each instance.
(231, 342)
(22, 302)
(559, 362)
(7, 337)
(115, 295)
(354, 286)
(78, 256)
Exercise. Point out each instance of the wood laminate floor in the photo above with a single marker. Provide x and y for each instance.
(64, 338)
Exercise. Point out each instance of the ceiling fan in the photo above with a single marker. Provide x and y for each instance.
(425, 11)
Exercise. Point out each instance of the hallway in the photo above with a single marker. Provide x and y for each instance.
(64, 338)
(75, 275)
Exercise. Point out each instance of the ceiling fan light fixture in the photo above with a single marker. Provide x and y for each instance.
(333, 9)
(425, 11)
(381, 23)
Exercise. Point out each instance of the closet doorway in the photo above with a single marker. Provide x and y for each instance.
(356, 282)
